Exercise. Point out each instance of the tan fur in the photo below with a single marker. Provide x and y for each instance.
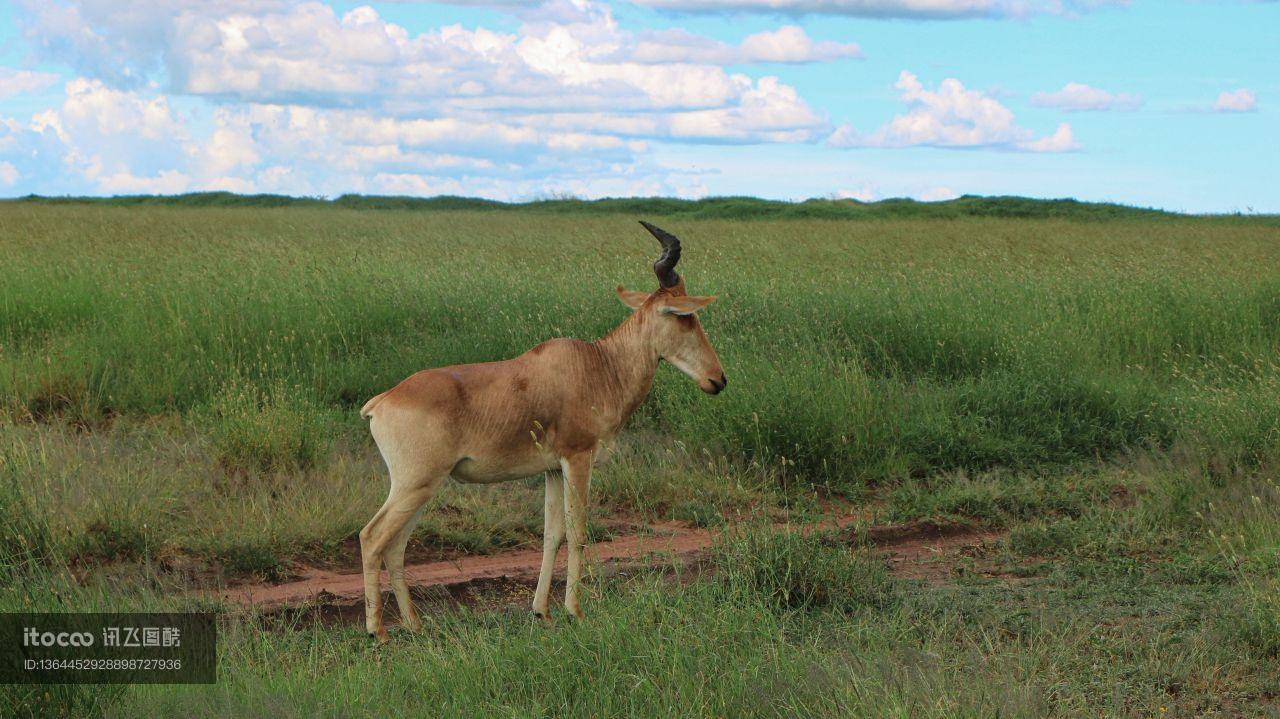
(367, 410)
(550, 410)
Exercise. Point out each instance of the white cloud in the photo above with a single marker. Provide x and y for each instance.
(937, 194)
(230, 147)
(291, 96)
(283, 180)
(566, 55)
(16, 82)
(100, 140)
(953, 117)
(768, 111)
(864, 192)
(871, 192)
(917, 9)
(1242, 100)
(1062, 140)
(408, 184)
(120, 41)
(771, 111)
(166, 182)
(95, 107)
(791, 44)
(8, 174)
(1077, 97)
(787, 44)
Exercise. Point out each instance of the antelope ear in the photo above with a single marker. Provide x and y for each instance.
(685, 305)
(631, 299)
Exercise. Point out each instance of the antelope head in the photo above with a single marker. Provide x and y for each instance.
(671, 320)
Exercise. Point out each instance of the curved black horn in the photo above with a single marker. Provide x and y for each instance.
(665, 266)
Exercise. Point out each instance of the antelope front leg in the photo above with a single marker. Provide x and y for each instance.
(552, 538)
(577, 478)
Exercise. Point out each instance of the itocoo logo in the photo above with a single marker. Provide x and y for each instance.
(32, 637)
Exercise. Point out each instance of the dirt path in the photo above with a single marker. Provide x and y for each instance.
(927, 550)
(909, 549)
(519, 566)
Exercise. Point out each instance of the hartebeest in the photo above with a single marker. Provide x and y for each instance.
(552, 410)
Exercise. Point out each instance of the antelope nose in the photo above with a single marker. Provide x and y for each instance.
(720, 384)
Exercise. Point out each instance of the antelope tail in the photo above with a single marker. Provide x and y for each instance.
(367, 410)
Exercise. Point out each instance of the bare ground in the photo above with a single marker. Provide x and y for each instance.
(917, 550)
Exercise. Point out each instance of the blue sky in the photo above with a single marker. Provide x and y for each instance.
(1171, 103)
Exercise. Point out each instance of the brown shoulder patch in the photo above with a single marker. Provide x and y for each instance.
(460, 390)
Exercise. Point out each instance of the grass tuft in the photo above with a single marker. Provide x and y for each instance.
(791, 570)
(278, 428)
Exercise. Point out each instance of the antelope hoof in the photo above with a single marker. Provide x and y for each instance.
(544, 616)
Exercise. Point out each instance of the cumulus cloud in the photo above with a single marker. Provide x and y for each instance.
(8, 174)
(937, 194)
(791, 44)
(93, 110)
(165, 182)
(953, 117)
(1078, 97)
(570, 55)
(863, 192)
(293, 96)
(123, 42)
(869, 192)
(100, 139)
(788, 44)
(769, 110)
(109, 141)
(918, 9)
(16, 82)
(1242, 100)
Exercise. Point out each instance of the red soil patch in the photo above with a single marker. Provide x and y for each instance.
(520, 566)
(927, 550)
(910, 549)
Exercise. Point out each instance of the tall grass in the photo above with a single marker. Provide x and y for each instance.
(801, 625)
(182, 380)
(859, 351)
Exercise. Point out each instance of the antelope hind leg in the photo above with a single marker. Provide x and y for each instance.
(552, 538)
(396, 516)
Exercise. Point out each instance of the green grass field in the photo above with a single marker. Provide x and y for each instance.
(179, 384)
